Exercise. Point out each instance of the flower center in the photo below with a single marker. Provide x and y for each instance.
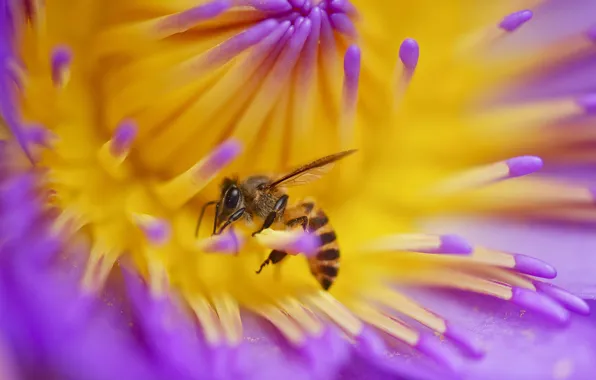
(261, 72)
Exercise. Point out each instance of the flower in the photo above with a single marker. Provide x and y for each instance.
(124, 169)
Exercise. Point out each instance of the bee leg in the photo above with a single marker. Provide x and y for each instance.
(278, 209)
(234, 217)
(274, 257)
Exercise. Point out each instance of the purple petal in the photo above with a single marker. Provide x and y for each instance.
(510, 334)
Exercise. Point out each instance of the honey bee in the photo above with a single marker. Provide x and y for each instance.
(261, 197)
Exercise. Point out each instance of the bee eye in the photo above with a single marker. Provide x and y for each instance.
(232, 198)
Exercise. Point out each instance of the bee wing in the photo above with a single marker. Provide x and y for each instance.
(310, 172)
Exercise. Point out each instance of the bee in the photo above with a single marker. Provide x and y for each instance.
(264, 198)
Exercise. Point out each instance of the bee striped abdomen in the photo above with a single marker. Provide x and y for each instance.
(325, 264)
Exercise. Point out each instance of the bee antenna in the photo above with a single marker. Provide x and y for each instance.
(203, 209)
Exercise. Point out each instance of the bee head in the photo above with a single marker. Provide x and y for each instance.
(231, 200)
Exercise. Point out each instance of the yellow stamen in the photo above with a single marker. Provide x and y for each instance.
(524, 117)
(100, 263)
(158, 275)
(491, 257)
(67, 223)
(111, 163)
(480, 39)
(304, 317)
(207, 319)
(472, 179)
(503, 276)
(536, 192)
(389, 325)
(288, 241)
(407, 306)
(229, 316)
(181, 189)
(329, 306)
(283, 323)
(460, 280)
(404, 242)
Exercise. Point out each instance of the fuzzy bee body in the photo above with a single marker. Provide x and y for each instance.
(324, 266)
(265, 198)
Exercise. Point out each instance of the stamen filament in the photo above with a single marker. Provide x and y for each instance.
(304, 317)
(292, 242)
(224, 52)
(227, 243)
(60, 61)
(450, 244)
(179, 190)
(283, 323)
(113, 153)
(409, 54)
(158, 231)
(486, 37)
(274, 6)
(229, 316)
(208, 320)
(482, 176)
(512, 119)
(272, 85)
(520, 263)
(350, 96)
(389, 325)
(329, 306)
(181, 22)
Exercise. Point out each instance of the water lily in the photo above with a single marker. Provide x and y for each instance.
(122, 119)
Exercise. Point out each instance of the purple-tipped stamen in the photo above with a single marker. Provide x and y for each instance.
(328, 43)
(570, 301)
(297, 3)
(352, 65)
(39, 135)
(539, 303)
(309, 52)
(515, 20)
(454, 244)
(431, 346)
(352, 62)
(123, 138)
(227, 243)
(409, 53)
(343, 24)
(524, 165)
(190, 17)
(307, 7)
(294, 242)
(462, 339)
(451, 245)
(237, 44)
(269, 5)
(220, 157)
(60, 61)
(158, 231)
(588, 103)
(289, 55)
(533, 267)
(343, 6)
(305, 243)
